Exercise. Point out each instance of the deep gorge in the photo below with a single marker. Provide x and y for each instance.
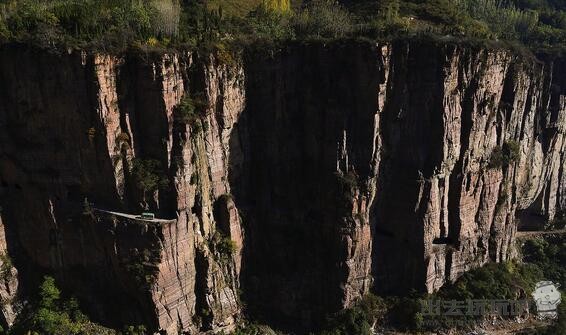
(335, 169)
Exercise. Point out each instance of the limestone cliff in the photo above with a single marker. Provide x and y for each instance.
(72, 127)
(301, 179)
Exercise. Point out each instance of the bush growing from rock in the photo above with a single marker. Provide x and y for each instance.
(226, 246)
(49, 314)
(149, 175)
(503, 156)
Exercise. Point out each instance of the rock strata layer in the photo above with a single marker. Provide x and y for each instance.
(291, 182)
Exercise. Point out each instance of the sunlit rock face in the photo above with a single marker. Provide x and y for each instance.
(303, 178)
(73, 127)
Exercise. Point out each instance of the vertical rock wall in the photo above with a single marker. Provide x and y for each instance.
(302, 178)
(448, 109)
(73, 126)
(311, 164)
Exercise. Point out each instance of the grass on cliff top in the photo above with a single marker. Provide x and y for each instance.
(238, 8)
(241, 8)
(117, 24)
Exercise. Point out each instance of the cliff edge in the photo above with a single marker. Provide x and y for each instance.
(286, 185)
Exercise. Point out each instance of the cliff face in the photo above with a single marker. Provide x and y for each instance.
(311, 163)
(447, 194)
(73, 127)
(307, 176)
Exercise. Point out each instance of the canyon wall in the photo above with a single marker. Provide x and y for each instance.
(292, 182)
(74, 128)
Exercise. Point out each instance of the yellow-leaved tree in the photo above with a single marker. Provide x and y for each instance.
(278, 6)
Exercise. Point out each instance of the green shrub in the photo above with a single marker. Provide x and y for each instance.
(357, 320)
(5, 267)
(49, 314)
(405, 313)
(347, 180)
(226, 197)
(442, 11)
(223, 56)
(388, 22)
(226, 246)
(504, 20)
(4, 31)
(135, 330)
(194, 179)
(493, 281)
(560, 327)
(190, 111)
(196, 127)
(546, 36)
(512, 150)
(497, 158)
(558, 223)
(269, 25)
(122, 137)
(505, 155)
(185, 111)
(323, 19)
(549, 255)
(52, 21)
(389, 9)
(141, 265)
(200, 100)
(222, 246)
(249, 329)
(31, 20)
(149, 175)
(164, 23)
(542, 259)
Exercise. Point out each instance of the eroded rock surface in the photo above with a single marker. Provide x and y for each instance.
(300, 179)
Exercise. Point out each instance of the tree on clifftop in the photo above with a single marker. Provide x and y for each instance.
(279, 6)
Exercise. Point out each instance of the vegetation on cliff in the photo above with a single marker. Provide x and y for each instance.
(148, 175)
(543, 259)
(50, 314)
(164, 23)
(504, 155)
(549, 255)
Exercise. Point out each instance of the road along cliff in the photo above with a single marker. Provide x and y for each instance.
(286, 183)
